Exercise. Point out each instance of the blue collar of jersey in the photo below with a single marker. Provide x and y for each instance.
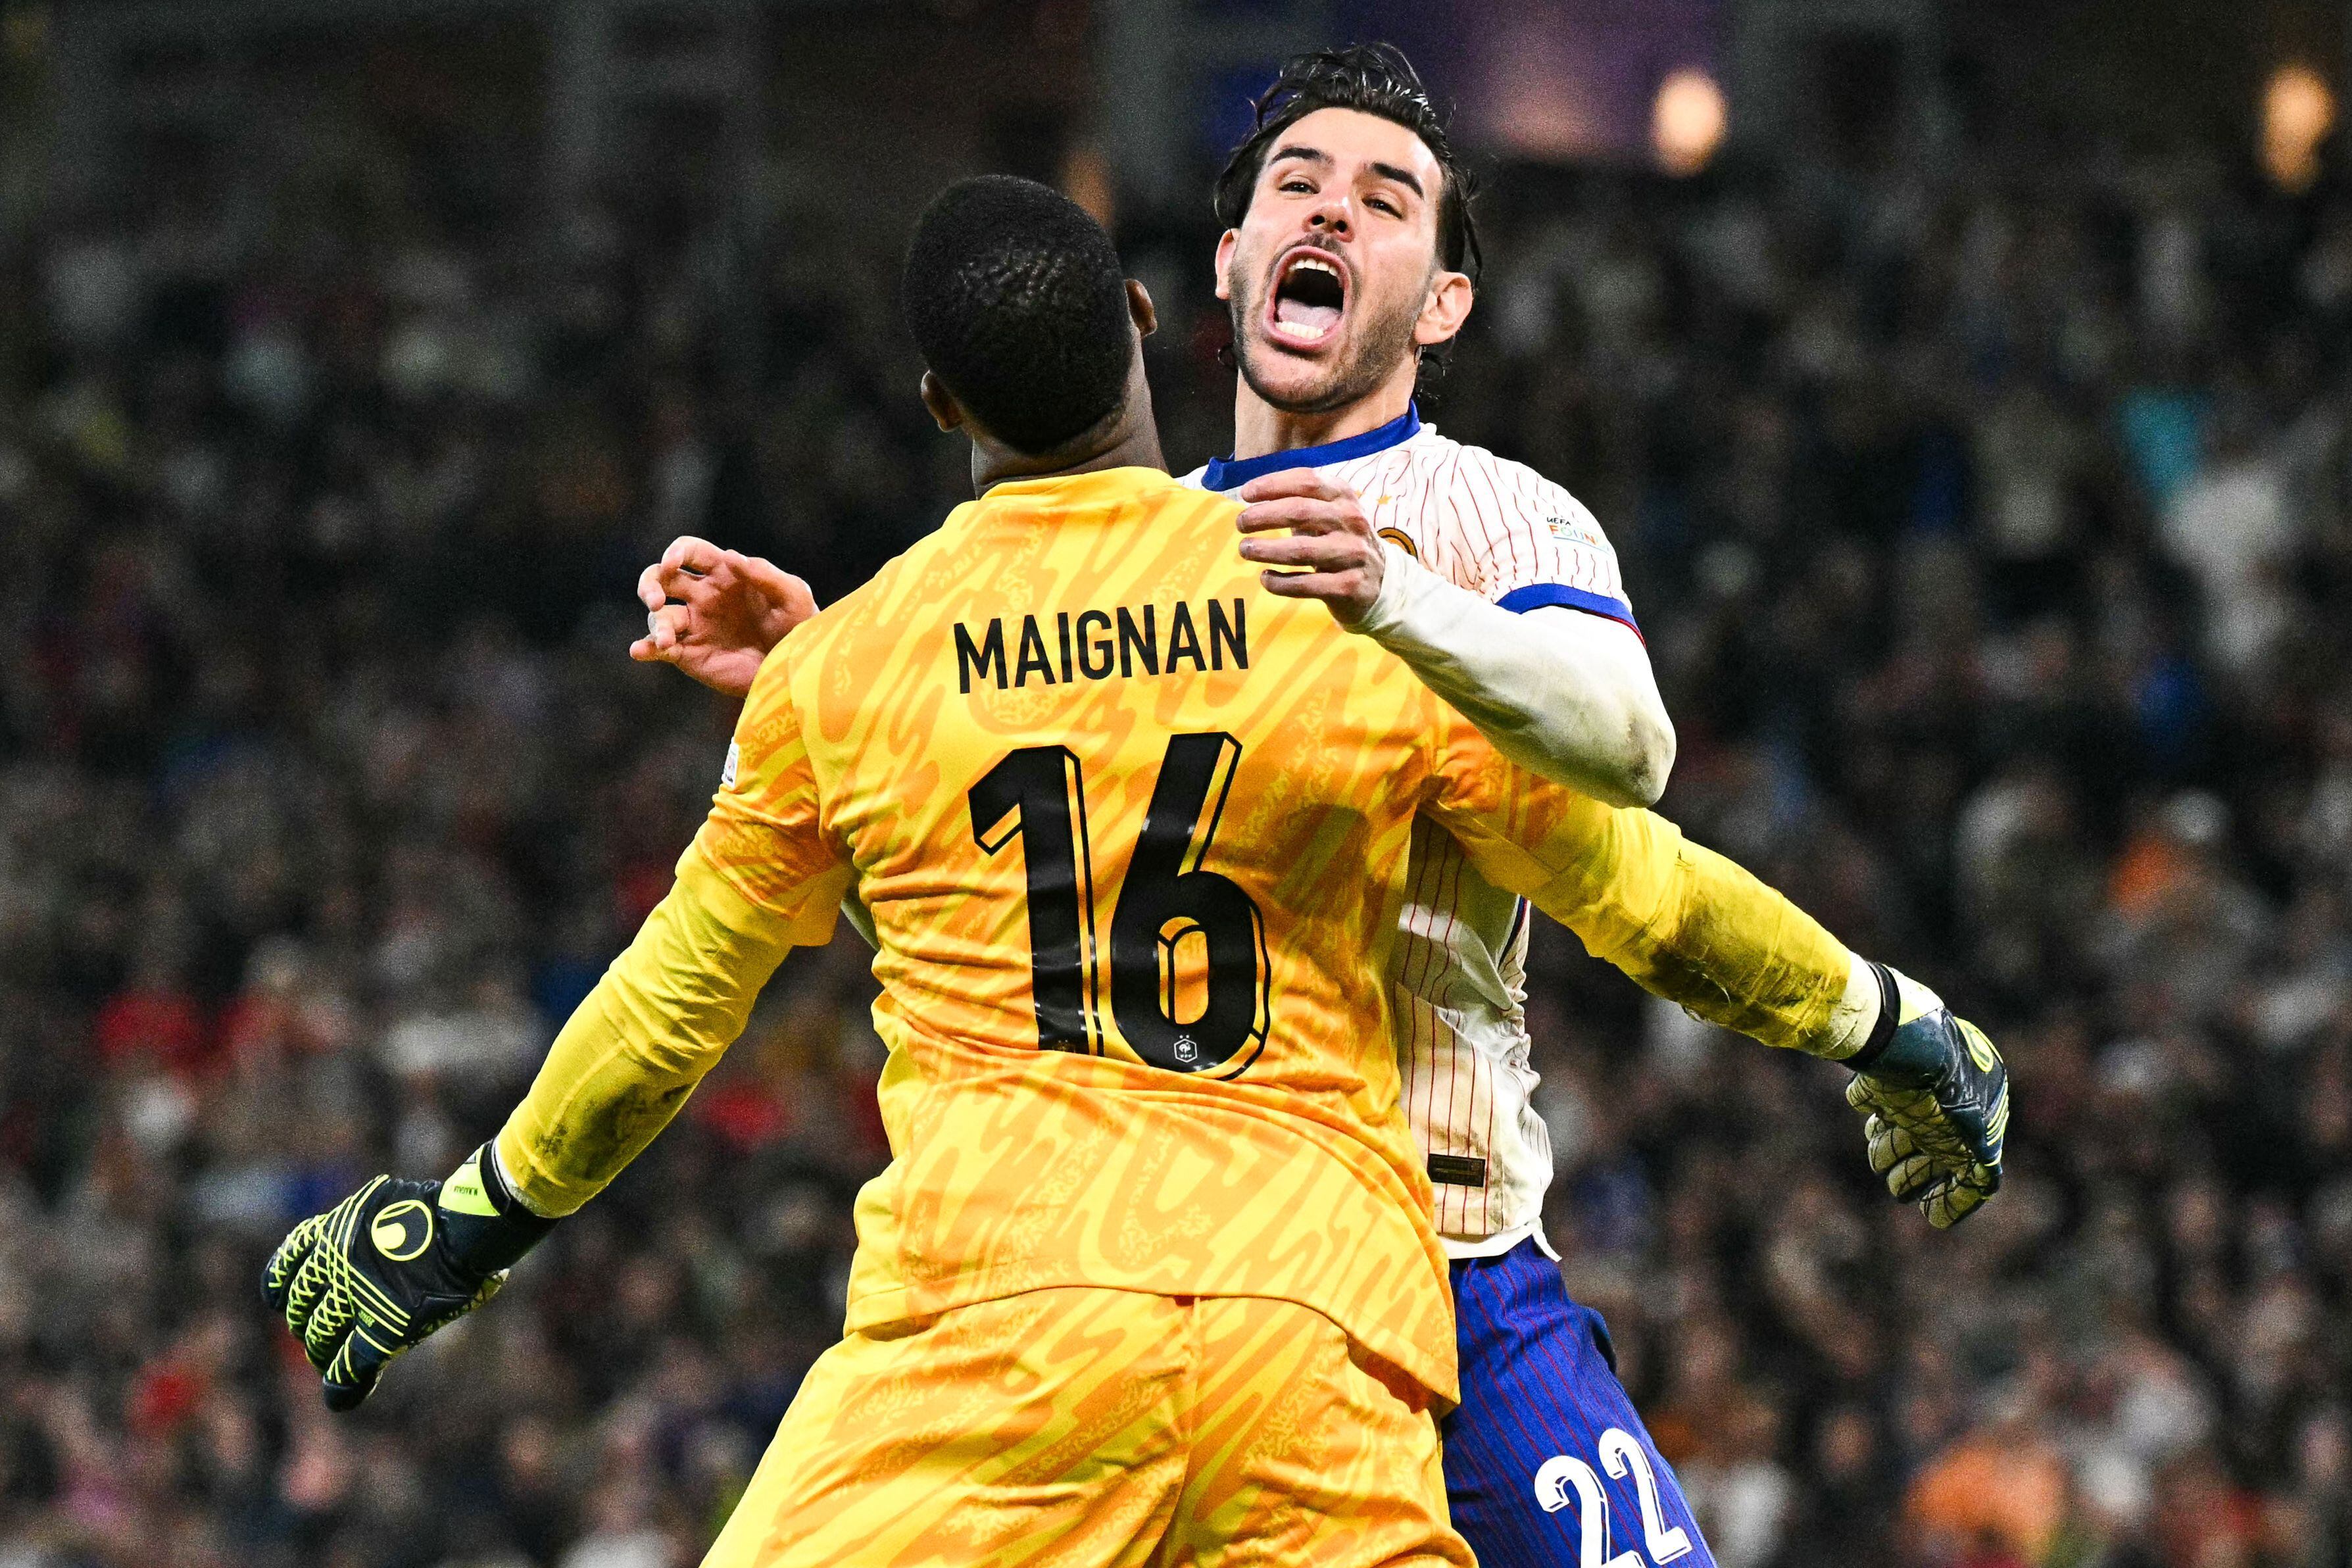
(1230, 473)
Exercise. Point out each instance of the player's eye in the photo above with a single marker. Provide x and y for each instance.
(1295, 183)
(1382, 204)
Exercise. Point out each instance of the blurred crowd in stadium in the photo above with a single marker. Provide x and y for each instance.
(1992, 537)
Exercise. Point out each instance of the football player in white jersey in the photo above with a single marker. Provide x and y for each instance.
(1348, 254)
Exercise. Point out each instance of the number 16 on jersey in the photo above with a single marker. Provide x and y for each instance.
(1187, 972)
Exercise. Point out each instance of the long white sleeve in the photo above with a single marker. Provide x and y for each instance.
(1562, 693)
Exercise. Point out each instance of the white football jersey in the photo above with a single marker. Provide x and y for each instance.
(1459, 971)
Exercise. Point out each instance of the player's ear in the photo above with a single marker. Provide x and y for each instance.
(1225, 244)
(1141, 310)
(1445, 309)
(945, 410)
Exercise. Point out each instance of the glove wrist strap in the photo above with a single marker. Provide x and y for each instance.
(1882, 1034)
(493, 1240)
(501, 1190)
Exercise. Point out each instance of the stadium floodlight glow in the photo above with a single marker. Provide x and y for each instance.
(1687, 121)
(2298, 112)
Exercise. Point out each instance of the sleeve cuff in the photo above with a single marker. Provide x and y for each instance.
(1537, 596)
(1388, 608)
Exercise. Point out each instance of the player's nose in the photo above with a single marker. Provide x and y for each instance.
(1331, 217)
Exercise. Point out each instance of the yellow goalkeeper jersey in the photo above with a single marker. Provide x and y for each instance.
(1132, 833)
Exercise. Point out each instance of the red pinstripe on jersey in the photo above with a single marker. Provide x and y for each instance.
(1458, 977)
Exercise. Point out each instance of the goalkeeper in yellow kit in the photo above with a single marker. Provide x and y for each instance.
(1151, 1275)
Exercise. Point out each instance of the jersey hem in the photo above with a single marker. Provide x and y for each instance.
(1461, 1248)
(880, 1309)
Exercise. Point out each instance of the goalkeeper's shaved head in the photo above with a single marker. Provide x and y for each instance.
(1017, 301)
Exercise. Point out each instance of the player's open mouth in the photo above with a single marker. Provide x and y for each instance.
(1310, 295)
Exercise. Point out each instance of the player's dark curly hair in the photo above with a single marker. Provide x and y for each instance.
(1375, 78)
(1017, 301)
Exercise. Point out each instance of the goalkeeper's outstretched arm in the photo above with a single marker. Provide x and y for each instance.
(659, 1019)
(1699, 930)
(397, 1260)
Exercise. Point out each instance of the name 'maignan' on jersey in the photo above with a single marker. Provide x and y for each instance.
(1134, 836)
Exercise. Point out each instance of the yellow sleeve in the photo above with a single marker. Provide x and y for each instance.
(1684, 922)
(760, 878)
(766, 834)
(660, 1018)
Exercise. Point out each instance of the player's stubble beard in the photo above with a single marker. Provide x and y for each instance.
(1382, 340)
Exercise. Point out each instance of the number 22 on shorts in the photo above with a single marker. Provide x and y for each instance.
(1565, 1479)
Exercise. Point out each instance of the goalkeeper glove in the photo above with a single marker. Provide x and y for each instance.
(391, 1263)
(1936, 1094)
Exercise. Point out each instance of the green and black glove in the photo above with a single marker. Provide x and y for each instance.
(393, 1262)
(1936, 1094)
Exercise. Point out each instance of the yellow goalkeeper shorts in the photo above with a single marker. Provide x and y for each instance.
(1099, 1427)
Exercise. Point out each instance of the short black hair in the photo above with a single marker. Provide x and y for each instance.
(1017, 301)
(1373, 79)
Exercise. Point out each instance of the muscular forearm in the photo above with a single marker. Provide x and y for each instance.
(660, 1018)
(1562, 693)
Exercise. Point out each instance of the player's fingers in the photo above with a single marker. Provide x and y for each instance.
(717, 573)
(1920, 1115)
(1303, 515)
(277, 1273)
(1328, 586)
(1943, 1213)
(678, 583)
(688, 553)
(1931, 1134)
(1321, 552)
(1960, 1197)
(344, 1397)
(1295, 482)
(1949, 1208)
(305, 1295)
(665, 628)
(1866, 1094)
(1910, 1178)
(651, 594)
(644, 650)
(1912, 1104)
(1900, 1154)
(1886, 1143)
(789, 599)
(350, 1377)
(324, 1330)
(769, 577)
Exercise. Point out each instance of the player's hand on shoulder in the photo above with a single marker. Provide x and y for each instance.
(1935, 1095)
(1329, 551)
(716, 613)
